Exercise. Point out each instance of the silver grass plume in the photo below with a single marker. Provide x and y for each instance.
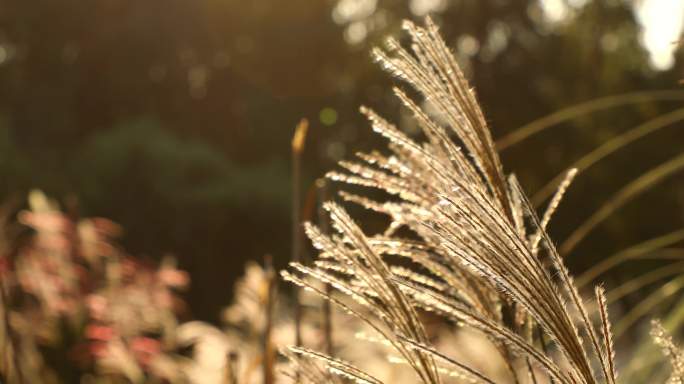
(480, 242)
(674, 354)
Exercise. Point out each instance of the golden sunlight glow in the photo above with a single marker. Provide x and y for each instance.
(662, 26)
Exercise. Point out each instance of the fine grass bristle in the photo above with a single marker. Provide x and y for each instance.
(481, 249)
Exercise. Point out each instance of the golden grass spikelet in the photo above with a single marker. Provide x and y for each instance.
(334, 366)
(606, 333)
(477, 246)
(674, 354)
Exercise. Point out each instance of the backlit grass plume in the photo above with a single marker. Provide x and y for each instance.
(674, 354)
(482, 257)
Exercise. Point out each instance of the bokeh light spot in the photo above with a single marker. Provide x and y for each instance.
(328, 116)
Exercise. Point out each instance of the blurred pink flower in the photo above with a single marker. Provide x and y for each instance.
(98, 349)
(5, 265)
(106, 227)
(99, 332)
(45, 221)
(145, 349)
(173, 277)
(97, 305)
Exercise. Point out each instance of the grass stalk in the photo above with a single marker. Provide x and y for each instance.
(609, 147)
(622, 197)
(269, 351)
(323, 195)
(584, 108)
(297, 150)
(631, 253)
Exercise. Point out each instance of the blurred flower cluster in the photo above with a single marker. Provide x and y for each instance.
(74, 304)
(76, 308)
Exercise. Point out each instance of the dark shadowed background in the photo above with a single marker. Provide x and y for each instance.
(174, 117)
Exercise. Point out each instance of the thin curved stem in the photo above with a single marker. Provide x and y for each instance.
(631, 253)
(590, 106)
(623, 196)
(664, 293)
(609, 147)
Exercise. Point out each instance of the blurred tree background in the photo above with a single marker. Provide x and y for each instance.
(174, 117)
